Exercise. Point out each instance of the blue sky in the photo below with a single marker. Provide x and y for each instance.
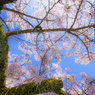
(66, 62)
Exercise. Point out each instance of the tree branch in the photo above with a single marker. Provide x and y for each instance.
(76, 14)
(50, 85)
(47, 30)
(7, 1)
(12, 10)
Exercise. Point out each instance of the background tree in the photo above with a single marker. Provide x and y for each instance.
(66, 27)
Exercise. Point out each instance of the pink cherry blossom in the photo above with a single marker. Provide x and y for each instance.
(46, 46)
(13, 70)
(93, 44)
(68, 69)
(83, 74)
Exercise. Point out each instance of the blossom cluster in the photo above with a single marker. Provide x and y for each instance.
(48, 47)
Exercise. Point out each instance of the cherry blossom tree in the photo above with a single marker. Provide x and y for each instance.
(60, 24)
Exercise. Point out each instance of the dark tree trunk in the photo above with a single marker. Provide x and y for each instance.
(2, 2)
(3, 56)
